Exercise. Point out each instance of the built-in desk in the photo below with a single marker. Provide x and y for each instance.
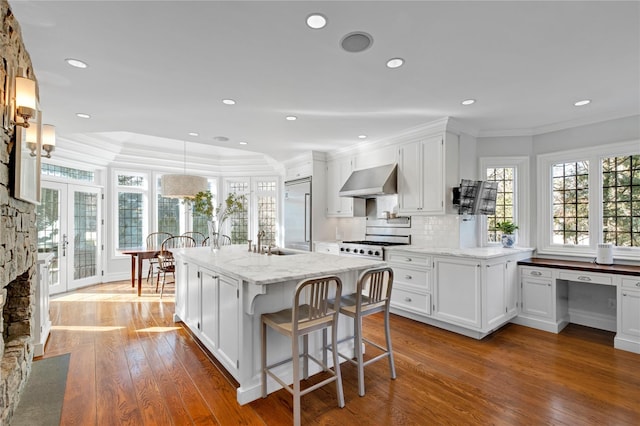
(554, 293)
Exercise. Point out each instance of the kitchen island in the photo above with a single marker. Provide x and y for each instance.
(221, 294)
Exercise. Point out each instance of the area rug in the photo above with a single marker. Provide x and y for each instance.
(41, 400)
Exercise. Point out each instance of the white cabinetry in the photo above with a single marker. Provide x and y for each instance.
(338, 171)
(467, 294)
(411, 281)
(537, 293)
(421, 176)
(457, 291)
(299, 171)
(629, 305)
(41, 312)
(211, 309)
(327, 247)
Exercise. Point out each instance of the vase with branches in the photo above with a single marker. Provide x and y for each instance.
(202, 203)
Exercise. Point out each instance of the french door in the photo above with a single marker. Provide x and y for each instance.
(68, 223)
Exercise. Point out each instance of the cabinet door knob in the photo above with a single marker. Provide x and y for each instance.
(408, 277)
(408, 259)
(638, 284)
(407, 299)
(583, 278)
(536, 273)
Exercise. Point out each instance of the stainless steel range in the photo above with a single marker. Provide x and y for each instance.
(380, 233)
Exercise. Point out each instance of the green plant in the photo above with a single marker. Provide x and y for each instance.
(506, 227)
(202, 203)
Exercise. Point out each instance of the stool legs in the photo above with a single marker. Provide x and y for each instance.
(392, 365)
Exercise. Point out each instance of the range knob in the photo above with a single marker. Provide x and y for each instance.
(370, 252)
(377, 253)
(361, 251)
(347, 250)
(341, 248)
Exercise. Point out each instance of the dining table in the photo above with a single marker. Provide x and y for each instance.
(138, 255)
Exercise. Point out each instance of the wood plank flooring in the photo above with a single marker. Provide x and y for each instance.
(131, 365)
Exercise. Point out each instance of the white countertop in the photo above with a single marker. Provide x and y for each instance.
(475, 252)
(255, 268)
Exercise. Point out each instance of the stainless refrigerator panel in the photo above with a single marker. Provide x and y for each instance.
(297, 215)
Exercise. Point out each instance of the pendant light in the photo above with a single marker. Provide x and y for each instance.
(184, 185)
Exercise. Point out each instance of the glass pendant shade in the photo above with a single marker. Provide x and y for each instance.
(48, 135)
(183, 186)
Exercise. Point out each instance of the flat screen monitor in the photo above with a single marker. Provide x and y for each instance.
(476, 197)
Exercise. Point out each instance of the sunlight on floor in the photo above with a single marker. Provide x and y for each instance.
(158, 329)
(85, 328)
(111, 297)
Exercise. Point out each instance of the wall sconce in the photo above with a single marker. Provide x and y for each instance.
(48, 139)
(31, 138)
(25, 100)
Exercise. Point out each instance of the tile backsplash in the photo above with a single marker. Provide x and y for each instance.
(444, 231)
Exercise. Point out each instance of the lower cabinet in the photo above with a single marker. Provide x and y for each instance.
(210, 305)
(327, 247)
(411, 281)
(469, 295)
(457, 291)
(629, 306)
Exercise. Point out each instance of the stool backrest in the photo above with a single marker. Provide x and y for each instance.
(311, 307)
(374, 288)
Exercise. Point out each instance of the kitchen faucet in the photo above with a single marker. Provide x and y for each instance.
(261, 234)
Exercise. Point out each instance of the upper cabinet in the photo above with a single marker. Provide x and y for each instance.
(338, 171)
(299, 171)
(427, 170)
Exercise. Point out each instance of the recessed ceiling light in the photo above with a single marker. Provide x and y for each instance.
(362, 136)
(291, 117)
(228, 102)
(221, 138)
(316, 21)
(395, 63)
(193, 134)
(242, 143)
(82, 115)
(77, 63)
(468, 102)
(582, 102)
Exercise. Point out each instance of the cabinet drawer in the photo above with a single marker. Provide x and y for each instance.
(407, 299)
(407, 258)
(413, 277)
(631, 283)
(535, 272)
(586, 277)
(328, 248)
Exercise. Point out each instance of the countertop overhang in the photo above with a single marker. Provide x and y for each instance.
(260, 269)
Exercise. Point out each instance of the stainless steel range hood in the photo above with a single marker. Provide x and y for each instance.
(369, 183)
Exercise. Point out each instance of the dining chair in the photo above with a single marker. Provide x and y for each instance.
(153, 242)
(310, 312)
(373, 294)
(198, 237)
(224, 240)
(165, 258)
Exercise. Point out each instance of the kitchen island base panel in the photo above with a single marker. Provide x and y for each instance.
(222, 310)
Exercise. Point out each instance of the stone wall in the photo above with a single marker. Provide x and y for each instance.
(18, 251)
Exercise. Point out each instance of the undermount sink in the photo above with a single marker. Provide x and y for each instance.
(281, 252)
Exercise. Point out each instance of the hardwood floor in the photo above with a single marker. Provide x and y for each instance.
(130, 364)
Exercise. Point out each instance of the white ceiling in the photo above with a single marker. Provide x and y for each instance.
(159, 69)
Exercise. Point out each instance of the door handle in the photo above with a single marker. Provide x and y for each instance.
(65, 243)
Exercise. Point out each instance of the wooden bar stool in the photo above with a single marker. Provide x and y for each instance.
(310, 314)
(373, 294)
